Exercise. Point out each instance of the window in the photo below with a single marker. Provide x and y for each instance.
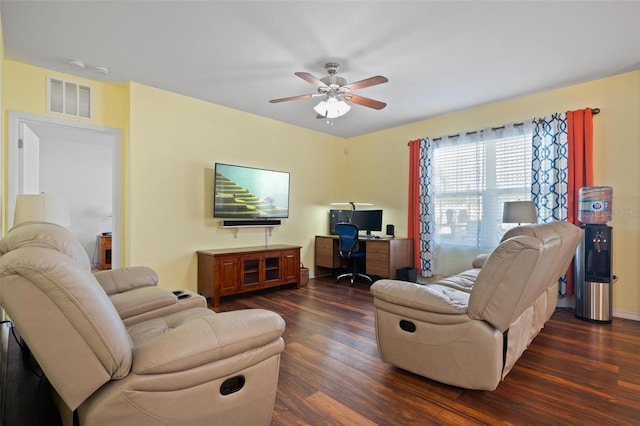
(473, 175)
(69, 98)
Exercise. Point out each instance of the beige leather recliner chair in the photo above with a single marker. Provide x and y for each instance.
(134, 291)
(468, 330)
(190, 367)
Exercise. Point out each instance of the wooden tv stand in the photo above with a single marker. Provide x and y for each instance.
(225, 272)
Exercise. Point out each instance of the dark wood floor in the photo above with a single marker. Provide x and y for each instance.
(25, 394)
(574, 372)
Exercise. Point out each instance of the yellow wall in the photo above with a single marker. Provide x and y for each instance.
(175, 141)
(25, 90)
(380, 160)
(3, 153)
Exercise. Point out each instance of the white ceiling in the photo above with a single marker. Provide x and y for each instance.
(439, 56)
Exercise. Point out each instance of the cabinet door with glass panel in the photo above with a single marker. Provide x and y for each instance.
(260, 270)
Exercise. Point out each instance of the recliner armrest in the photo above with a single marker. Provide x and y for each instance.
(141, 300)
(479, 260)
(124, 279)
(200, 336)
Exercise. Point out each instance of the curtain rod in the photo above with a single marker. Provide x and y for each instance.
(594, 111)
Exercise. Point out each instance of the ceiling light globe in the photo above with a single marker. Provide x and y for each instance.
(332, 108)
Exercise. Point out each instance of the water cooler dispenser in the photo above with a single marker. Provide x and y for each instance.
(593, 274)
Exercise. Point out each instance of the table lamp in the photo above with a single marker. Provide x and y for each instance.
(519, 212)
(41, 208)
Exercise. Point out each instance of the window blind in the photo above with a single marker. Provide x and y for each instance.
(473, 175)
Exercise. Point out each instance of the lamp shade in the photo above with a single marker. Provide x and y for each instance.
(519, 212)
(41, 208)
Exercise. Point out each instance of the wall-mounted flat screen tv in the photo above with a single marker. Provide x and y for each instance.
(249, 193)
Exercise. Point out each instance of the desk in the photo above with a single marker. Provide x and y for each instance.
(384, 256)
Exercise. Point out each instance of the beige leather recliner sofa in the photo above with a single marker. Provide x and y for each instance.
(189, 366)
(468, 330)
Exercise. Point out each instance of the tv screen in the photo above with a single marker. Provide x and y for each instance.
(367, 220)
(249, 193)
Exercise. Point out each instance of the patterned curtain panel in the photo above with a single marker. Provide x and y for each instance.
(421, 205)
(550, 162)
(426, 208)
(550, 175)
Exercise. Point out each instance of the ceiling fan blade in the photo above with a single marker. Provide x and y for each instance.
(311, 79)
(293, 98)
(361, 100)
(367, 82)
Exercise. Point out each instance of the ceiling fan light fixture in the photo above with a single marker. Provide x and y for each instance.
(336, 93)
(332, 108)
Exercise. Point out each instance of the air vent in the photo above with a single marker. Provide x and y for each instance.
(69, 98)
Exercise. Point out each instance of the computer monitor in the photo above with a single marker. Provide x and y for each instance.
(337, 216)
(367, 220)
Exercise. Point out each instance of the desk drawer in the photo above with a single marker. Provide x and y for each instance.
(378, 258)
(325, 256)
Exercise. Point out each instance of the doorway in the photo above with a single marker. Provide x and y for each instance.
(78, 161)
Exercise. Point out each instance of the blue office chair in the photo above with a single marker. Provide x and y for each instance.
(349, 248)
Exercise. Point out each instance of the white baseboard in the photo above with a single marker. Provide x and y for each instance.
(634, 316)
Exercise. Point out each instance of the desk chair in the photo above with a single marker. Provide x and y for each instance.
(349, 248)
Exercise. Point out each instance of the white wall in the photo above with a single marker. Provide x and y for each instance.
(82, 173)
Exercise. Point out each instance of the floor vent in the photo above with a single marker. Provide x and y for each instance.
(69, 98)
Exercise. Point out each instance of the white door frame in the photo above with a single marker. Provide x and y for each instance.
(15, 120)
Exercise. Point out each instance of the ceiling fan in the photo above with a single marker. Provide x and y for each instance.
(337, 92)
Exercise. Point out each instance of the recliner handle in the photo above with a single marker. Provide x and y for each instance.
(232, 385)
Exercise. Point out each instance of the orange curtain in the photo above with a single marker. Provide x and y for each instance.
(580, 140)
(580, 137)
(413, 222)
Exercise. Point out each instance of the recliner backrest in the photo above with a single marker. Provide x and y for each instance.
(522, 267)
(66, 319)
(569, 235)
(509, 282)
(47, 235)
